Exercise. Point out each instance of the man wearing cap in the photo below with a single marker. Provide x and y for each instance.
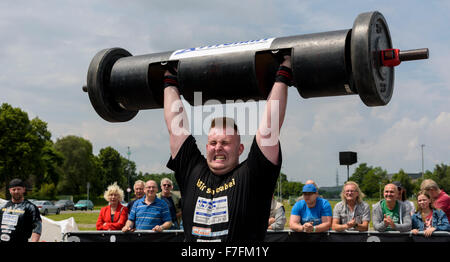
(19, 218)
(312, 214)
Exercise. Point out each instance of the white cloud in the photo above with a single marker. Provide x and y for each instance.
(47, 46)
(399, 146)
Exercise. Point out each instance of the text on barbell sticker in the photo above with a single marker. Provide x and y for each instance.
(222, 48)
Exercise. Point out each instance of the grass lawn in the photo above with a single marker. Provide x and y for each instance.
(85, 220)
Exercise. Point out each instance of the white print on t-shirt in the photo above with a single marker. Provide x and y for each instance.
(9, 219)
(211, 211)
(5, 237)
(206, 232)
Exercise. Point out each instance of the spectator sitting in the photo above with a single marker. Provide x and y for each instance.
(277, 217)
(312, 214)
(440, 199)
(113, 216)
(428, 219)
(390, 214)
(352, 212)
(159, 219)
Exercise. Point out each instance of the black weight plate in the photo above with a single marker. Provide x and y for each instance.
(98, 87)
(374, 83)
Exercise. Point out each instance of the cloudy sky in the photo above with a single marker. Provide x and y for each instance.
(46, 48)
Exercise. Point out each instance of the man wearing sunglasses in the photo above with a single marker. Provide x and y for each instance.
(172, 200)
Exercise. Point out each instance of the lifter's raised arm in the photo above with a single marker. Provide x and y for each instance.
(174, 114)
(272, 119)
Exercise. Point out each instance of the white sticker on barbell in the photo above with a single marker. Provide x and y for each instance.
(347, 88)
(259, 44)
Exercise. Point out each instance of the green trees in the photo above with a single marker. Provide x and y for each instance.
(64, 167)
(25, 148)
(406, 182)
(371, 180)
(116, 168)
(81, 167)
(157, 178)
(441, 175)
(287, 188)
(78, 166)
(111, 162)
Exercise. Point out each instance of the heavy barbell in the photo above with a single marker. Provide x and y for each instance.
(359, 61)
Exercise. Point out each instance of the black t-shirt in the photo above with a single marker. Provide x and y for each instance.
(171, 205)
(19, 221)
(130, 205)
(230, 207)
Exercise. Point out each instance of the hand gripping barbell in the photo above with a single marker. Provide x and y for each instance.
(360, 61)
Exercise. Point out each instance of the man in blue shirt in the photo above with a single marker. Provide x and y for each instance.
(312, 214)
(149, 212)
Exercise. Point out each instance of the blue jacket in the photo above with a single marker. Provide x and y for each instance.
(439, 221)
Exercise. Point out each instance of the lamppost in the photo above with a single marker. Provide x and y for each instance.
(279, 189)
(88, 185)
(422, 145)
(128, 174)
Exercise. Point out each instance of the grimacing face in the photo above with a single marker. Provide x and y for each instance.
(223, 150)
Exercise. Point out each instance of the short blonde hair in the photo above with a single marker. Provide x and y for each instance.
(113, 189)
(428, 184)
(361, 195)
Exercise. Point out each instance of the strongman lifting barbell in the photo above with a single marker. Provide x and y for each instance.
(360, 61)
